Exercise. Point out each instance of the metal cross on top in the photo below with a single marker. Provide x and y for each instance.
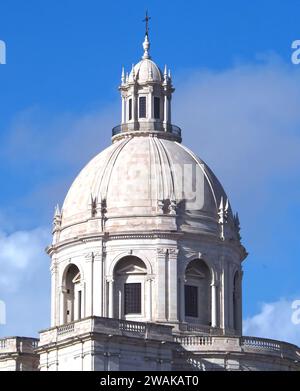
(146, 20)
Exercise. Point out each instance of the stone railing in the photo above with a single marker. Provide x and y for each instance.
(198, 343)
(159, 129)
(132, 326)
(107, 326)
(261, 344)
(66, 329)
(18, 345)
(194, 340)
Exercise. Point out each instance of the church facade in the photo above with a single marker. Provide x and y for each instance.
(146, 258)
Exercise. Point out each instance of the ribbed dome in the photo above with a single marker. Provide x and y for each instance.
(145, 70)
(138, 177)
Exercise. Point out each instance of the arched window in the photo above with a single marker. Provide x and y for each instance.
(129, 290)
(72, 295)
(197, 293)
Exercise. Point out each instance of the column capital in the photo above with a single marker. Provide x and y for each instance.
(162, 251)
(173, 251)
(150, 277)
(96, 256)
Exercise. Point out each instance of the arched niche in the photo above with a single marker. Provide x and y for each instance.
(197, 293)
(129, 298)
(72, 300)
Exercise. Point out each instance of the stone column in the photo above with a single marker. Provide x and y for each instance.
(54, 295)
(214, 304)
(166, 114)
(224, 298)
(169, 109)
(89, 276)
(134, 106)
(110, 297)
(181, 281)
(161, 284)
(97, 284)
(61, 305)
(150, 113)
(149, 298)
(230, 293)
(172, 291)
(123, 110)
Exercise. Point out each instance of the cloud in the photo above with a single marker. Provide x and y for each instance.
(274, 321)
(58, 139)
(21, 254)
(244, 121)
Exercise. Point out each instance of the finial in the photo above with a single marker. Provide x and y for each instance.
(133, 71)
(57, 211)
(146, 46)
(123, 76)
(165, 74)
(223, 216)
(146, 43)
(237, 225)
(227, 205)
(57, 219)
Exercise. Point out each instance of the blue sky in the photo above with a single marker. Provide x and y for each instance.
(236, 100)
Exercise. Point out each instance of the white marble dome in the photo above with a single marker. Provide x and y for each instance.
(144, 182)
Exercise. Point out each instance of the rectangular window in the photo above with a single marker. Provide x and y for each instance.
(142, 107)
(191, 301)
(156, 107)
(130, 109)
(132, 298)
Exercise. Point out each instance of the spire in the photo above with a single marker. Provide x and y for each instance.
(56, 219)
(146, 43)
(57, 212)
(133, 71)
(123, 76)
(165, 74)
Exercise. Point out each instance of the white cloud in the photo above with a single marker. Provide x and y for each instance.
(244, 121)
(64, 139)
(274, 321)
(21, 253)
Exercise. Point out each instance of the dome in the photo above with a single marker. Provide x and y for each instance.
(144, 181)
(144, 71)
